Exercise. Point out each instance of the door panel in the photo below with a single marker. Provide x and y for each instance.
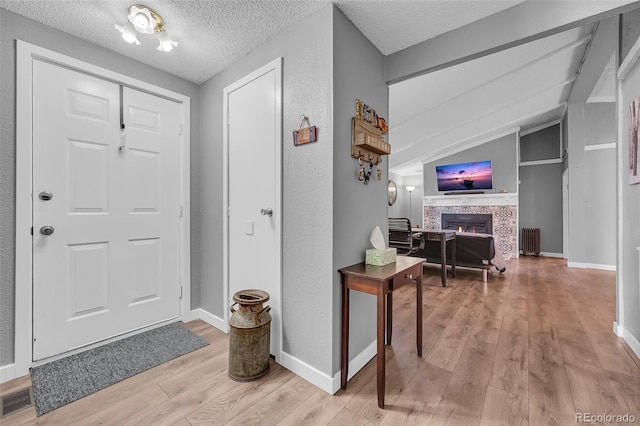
(252, 188)
(111, 264)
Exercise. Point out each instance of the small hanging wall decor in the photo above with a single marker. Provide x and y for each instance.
(305, 134)
(368, 144)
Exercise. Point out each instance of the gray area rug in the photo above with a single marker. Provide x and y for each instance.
(68, 379)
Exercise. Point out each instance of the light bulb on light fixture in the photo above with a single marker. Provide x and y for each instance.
(166, 44)
(128, 33)
(145, 21)
(142, 19)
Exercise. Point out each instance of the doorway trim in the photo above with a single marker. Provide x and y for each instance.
(23, 317)
(565, 213)
(275, 65)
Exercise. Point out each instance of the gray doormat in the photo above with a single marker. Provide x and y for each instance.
(68, 379)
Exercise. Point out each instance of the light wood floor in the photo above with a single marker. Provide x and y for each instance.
(533, 346)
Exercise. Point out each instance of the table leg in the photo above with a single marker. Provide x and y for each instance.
(380, 358)
(389, 316)
(344, 352)
(443, 258)
(453, 257)
(419, 312)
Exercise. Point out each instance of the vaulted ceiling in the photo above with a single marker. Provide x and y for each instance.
(462, 106)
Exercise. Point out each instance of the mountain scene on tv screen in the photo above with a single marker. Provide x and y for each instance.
(464, 176)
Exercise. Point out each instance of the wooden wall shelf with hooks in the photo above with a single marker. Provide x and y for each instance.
(367, 142)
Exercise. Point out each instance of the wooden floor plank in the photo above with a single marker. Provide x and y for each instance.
(418, 402)
(576, 347)
(611, 354)
(504, 408)
(549, 388)
(627, 390)
(276, 405)
(531, 346)
(591, 391)
(510, 366)
(447, 350)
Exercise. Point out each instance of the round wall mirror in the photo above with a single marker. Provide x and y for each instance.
(393, 192)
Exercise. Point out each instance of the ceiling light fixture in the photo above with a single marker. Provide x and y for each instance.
(145, 20)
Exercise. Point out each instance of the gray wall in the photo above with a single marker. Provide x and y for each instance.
(358, 72)
(629, 31)
(628, 266)
(14, 27)
(540, 204)
(541, 145)
(592, 188)
(540, 195)
(592, 184)
(501, 152)
(307, 191)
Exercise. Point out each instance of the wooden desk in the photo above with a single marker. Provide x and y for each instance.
(381, 281)
(442, 235)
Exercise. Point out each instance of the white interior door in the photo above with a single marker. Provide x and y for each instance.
(254, 135)
(109, 262)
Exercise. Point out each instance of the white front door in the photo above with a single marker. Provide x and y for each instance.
(254, 137)
(109, 261)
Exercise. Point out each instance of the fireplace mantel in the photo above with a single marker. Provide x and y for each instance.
(494, 199)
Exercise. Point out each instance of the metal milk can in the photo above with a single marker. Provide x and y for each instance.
(249, 335)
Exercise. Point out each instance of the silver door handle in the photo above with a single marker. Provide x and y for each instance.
(266, 212)
(47, 230)
(45, 195)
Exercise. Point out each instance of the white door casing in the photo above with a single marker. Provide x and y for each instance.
(111, 264)
(565, 214)
(252, 188)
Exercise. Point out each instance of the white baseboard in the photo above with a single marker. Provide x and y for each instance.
(7, 372)
(307, 372)
(311, 374)
(210, 319)
(547, 254)
(329, 384)
(618, 330)
(356, 364)
(633, 343)
(591, 266)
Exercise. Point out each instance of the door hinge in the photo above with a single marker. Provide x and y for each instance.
(180, 129)
(180, 297)
(228, 211)
(180, 210)
(32, 230)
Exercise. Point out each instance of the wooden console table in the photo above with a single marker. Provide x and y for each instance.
(381, 281)
(442, 235)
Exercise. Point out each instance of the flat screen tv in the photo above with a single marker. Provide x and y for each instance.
(464, 176)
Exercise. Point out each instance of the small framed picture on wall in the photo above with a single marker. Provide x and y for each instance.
(634, 124)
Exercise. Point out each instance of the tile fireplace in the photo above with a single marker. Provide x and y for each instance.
(500, 211)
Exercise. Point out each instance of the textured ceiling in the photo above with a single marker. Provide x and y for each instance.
(213, 34)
